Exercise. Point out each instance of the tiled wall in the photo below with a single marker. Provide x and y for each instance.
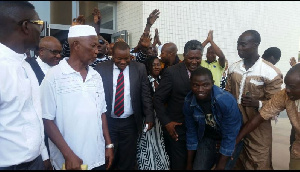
(180, 21)
(130, 18)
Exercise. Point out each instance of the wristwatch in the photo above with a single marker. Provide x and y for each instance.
(109, 146)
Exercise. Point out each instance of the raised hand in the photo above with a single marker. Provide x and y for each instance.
(153, 16)
(292, 61)
(145, 40)
(97, 15)
(156, 38)
(210, 36)
(120, 40)
(80, 20)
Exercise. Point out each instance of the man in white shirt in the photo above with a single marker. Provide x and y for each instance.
(73, 105)
(49, 55)
(21, 126)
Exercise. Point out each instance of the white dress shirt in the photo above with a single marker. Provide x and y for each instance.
(76, 108)
(127, 99)
(21, 125)
(44, 66)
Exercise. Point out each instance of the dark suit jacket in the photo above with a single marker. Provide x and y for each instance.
(172, 89)
(141, 100)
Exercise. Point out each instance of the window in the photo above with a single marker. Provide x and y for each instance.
(108, 14)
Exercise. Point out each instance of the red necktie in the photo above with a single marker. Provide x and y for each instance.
(119, 97)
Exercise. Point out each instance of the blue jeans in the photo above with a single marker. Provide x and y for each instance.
(207, 155)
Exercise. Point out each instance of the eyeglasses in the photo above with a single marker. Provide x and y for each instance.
(38, 22)
(54, 52)
(101, 42)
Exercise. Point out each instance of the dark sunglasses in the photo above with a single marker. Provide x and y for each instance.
(101, 42)
(54, 52)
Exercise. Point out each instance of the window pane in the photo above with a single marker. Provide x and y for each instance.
(61, 12)
(106, 9)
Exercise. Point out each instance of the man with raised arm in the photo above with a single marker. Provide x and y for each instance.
(215, 66)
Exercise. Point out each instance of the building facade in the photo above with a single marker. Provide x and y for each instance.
(181, 21)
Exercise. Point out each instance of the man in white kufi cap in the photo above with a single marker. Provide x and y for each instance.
(73, 104)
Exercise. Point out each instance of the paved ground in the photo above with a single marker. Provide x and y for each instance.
(281, 142)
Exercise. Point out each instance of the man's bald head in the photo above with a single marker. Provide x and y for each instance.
(210, 54)
(170, 47)
(292, 82)
(50, 50)
(168, 53)
(44, 42)
(295, 71)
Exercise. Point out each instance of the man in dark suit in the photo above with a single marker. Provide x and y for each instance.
(128, 99)
(173, 88)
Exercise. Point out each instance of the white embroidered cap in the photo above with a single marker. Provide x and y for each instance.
(81, 30)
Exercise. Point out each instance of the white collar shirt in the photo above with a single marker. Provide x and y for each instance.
(21, 125)
(76, 108)
(44, 66)
(128, 111)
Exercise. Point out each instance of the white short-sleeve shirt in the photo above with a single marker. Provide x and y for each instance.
(76, 108)
(44, 66)
(21, 125)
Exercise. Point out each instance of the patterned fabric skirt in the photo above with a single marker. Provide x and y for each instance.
(151, 154)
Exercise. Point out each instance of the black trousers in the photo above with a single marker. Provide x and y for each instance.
(123, 133)
(36, 164)
(102, 167)
(176, 150)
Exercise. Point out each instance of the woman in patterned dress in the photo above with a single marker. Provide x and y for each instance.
(151, 154)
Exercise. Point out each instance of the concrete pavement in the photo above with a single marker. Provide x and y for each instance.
(281, 142)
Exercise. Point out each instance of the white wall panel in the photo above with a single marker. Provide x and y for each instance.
(180, 21)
